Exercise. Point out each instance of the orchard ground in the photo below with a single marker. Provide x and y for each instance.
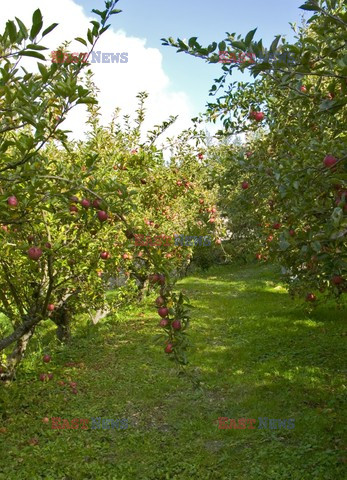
(256, 353)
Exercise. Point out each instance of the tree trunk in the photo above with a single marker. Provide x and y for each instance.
(61, 318)
(17, 355)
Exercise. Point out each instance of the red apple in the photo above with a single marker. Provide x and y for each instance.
(48, 245)
(291, 232)
(258, 116)
(45, 420)
(179, 183)
(258, 256)
(85, 203)
(310, 297)
(176, 325)
(201, 201)
(104, 255)
(73, 384)
(74, 391)
(96, 203)
(212, 220)
(46, 358)
(164, 322)
(303, 89)
(337, 280)
(161, 279)
(169, 348)
(160, 301)
(34, 253)
(245, 185)
(200, 156)
(73, 209)
(270, 238)
(50, 376)
(43, 377)
(163, 312)
(102, 216)
(12, 201)
(33, 441)
(276, 226)
(249, 154)
(50, 307)
(218, 241)
(329, 161)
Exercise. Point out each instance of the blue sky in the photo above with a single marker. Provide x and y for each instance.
(155, 19)
(177, 84)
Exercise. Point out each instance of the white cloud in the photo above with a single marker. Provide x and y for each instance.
(119, 83)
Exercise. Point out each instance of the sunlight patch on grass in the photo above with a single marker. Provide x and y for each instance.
(309, 323)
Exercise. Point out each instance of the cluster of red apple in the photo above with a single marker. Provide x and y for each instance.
(35, 252)
(212, 211)
(257, 116)
(184, 183)
(72, 385)
(119, 167)
(85, 203)
(162, 303)
(46, 376)
(49, 376)
(336, 280)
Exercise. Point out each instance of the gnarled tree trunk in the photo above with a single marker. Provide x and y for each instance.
(62, 318)
(17, 355)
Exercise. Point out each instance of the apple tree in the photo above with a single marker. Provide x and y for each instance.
(286, 185)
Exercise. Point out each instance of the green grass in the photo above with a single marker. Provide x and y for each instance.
(255, 353)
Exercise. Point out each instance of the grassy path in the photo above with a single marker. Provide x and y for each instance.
(256, 353)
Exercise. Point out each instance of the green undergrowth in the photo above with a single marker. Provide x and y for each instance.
(255, 353)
